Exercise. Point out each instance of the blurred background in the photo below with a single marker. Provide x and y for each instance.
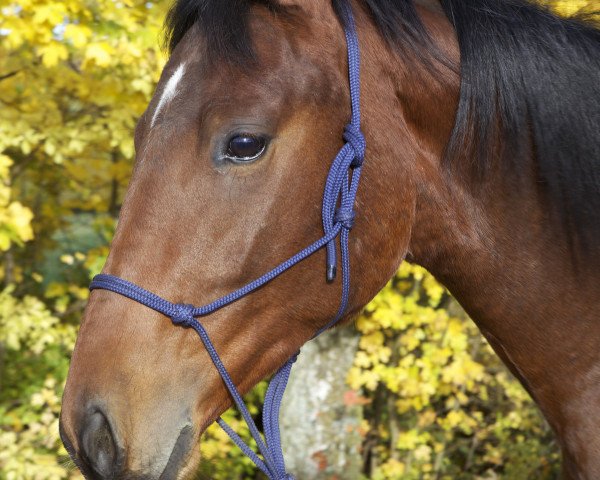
(421, 396)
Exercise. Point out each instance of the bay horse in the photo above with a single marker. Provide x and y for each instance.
(482, 121)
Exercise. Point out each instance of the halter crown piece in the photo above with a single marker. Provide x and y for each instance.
(338, 218)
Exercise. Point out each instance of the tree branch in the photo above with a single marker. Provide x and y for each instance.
(9, 75)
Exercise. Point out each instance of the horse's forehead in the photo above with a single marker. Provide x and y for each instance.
(197, 83)
(191, 67)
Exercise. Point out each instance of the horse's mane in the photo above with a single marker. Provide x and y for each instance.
(530, 81)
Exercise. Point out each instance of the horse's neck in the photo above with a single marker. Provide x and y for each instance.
(505, 264)
(493, 246)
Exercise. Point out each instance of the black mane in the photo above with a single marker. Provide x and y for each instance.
(532, 80)
(528, 78)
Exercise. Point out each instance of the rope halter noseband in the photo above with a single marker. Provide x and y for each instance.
(338, 219)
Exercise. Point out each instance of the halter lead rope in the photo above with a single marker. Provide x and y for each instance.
(338, 219)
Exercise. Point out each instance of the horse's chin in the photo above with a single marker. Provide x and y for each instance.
(185, 457)
(188, 469)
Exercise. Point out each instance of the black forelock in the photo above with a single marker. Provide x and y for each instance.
(223, 24)
(530, 81)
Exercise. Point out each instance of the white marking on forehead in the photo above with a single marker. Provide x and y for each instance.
(169, 92)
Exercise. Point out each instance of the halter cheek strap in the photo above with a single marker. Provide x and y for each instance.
(338, 219)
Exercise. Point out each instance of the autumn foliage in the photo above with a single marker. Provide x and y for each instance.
(74, 77)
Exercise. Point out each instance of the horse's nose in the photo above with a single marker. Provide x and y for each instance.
(99, 447)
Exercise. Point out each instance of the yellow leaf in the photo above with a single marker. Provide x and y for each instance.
(4, 241)
(570, 7)
(67, 259)
(77, 34)
(5, 164)
(53, 53)
(100, 53)
(20, 220)
(53, 13)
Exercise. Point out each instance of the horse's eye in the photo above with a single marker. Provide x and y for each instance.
(245, 148)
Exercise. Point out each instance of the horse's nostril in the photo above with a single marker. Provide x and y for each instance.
(98, 445)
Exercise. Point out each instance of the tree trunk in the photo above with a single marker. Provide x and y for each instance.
(321, 415)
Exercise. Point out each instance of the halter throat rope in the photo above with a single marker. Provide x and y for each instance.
(338, 219)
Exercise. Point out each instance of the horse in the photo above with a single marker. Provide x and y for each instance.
(482, 165)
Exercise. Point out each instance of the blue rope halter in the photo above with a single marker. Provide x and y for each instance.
(338, 218)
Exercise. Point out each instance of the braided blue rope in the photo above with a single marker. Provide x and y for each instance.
(338, 215)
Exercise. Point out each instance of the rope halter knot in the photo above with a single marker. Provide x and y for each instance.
(183, 314)
(345, 217)
(356, 139)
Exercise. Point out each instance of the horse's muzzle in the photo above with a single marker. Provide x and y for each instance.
(101, 454)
